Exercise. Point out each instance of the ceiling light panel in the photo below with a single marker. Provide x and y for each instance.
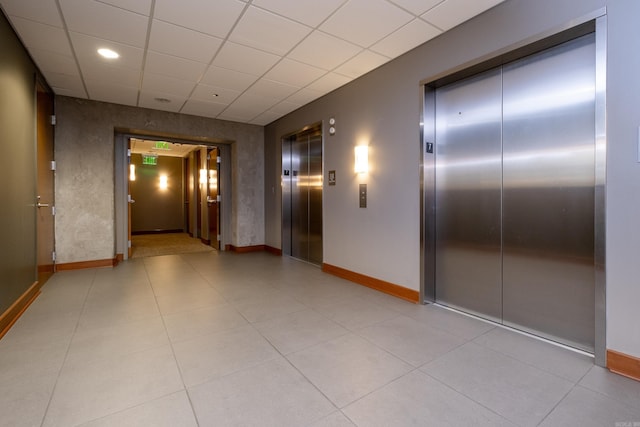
(308, 12)
(42, 11)
(451, 13)
(86, 48)
(173, 66)
(361, 64)
(406, 38)
(42, 36)
(324, 51)
(245, 59)
(266, 31)
(215, 18)
(365, 22)
(294, 73)
(222, 77)
(104, 21)
(182, 42)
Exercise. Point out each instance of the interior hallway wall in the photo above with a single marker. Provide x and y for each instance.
(85, 211)
(383, 109)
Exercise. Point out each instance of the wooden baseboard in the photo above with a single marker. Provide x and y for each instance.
(245, 249)
(371, 282)
(118, 259)
(13, 313)
(272, 250)
(205, 241)
(101, 263)
(48, 268)
(623, 364)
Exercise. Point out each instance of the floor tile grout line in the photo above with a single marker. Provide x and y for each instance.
(557, 404)
(66, 355)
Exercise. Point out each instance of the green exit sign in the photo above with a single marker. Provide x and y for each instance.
(150, 160)
(162, 145)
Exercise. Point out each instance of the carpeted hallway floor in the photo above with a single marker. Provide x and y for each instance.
(146, 245)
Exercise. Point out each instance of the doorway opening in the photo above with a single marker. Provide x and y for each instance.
(302, 172)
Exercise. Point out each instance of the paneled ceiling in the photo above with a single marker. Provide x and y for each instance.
(248, 61)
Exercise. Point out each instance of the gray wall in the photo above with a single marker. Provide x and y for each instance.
(156, 209)
(85, 208)
(383, 109)
(17, 168)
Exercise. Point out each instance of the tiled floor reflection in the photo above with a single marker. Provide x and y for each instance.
(220, 339)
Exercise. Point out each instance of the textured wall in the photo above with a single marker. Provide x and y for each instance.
(85, 220)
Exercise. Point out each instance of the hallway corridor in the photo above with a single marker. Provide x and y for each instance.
(217, 339)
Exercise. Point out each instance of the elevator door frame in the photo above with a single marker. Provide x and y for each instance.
(594, 22)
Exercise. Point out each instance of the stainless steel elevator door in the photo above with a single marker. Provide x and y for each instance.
(468, 195)
(548, 193)
(302, 196)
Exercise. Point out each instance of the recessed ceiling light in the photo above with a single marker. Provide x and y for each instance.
(108, 53)
(215, 95)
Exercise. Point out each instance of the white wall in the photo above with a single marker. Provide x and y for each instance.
(383, 107)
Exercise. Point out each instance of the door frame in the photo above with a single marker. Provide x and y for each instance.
(594, 22)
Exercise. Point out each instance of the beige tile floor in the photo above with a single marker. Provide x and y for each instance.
(217, 339)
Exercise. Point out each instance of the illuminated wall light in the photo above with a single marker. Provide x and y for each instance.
(164, 182)
(132, 172)
(203, 177)
(362, 159)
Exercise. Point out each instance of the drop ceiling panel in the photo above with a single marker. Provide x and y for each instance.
(451, 13)
(215, 18)
(285, 107)
(222, 77)
(272, 89)
(324, 51)
(294, 72)
(71, 83)
(157, 100)
(105, 21)
(202, 108)
(329, 82)
(173, 66)
(182, 42)
(251, 104)
(159, 83)
(86, 48)
(245, 59)
(108, 92)
(116, 75)
(417, 7)
(361, 64)
(267, 31)
(208, 94)
(265, 118)
(142, 7)
(54, 63)
(309, 12)
(364, 22)
(304, 96)
(43, 11)
(74, 93)
(42, 36)
(406, 38)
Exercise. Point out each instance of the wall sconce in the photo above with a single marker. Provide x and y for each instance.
(362, 159)
(203, 177)
(132, 172)
(164, 182)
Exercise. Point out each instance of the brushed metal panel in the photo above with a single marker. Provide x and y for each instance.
(468, 195)
(548, 193)
(286, 196)
(315, 198)
(299, 198)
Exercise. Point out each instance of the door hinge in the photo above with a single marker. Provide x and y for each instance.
(208, 156)
(53, 256)
(218, 159)
(53, 210)
(53, 120)
(218, 198)
(219, 238)
(53, 165)
(128, 243)
(128, 152)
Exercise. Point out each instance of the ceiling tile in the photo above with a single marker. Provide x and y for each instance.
(202, 108)
(105, 21)
(51, 62)
(215, 18)
(305, 96)
(406, 38)
(417, 7)
(272, 89)
(361, 64)
(309, 12)
(107, 92)
(43, 11)
(285, 107)
(246, 59)
(42, 36)
(65, 81)
(159, 83)
(172, 66)
(142, 7)
(216, 76)
(329, 82)
(206, 93)
(86, 48)
(73, 93)
(451, 13)
(364, 22)
(324, 51)
(265, 118)
(251, 104)
(109, 74)
(294, 72)
(153, 100)
(266, 31)
(182, 42)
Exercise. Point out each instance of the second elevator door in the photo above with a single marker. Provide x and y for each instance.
(515, 194)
